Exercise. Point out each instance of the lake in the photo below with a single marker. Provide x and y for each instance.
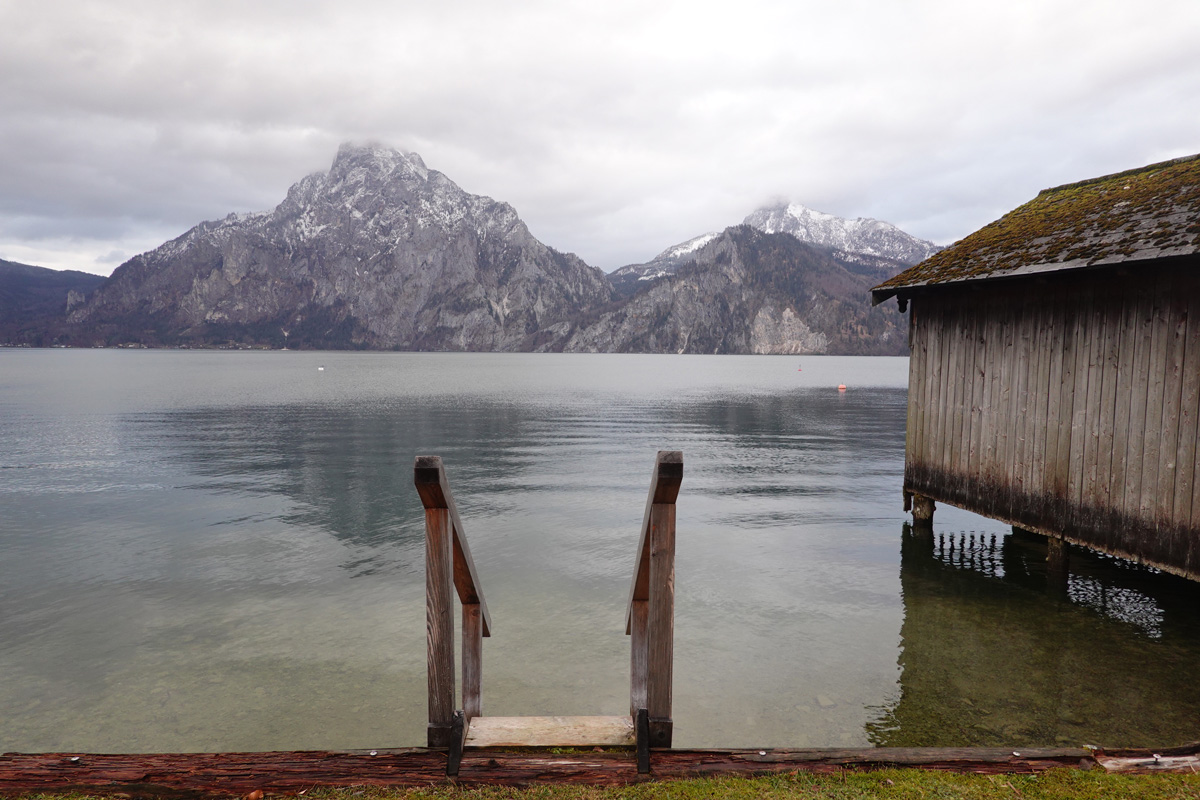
(206, 551)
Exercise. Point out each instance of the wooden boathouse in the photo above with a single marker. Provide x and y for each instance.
(1054, 382)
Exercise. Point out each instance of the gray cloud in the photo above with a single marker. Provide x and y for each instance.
(616, 129)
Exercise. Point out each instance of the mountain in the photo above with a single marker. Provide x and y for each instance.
(382, 252)
(34, 300)
(747, 291)
(629, 279)
(378, 252)
(878, 248)
(862, 235)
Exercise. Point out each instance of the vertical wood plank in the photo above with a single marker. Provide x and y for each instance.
(1089, 499)
(1021, 368)
(661, 622)
(978, 403)
(1135, 450)
(1122, 406)
(962, 409)
(439, 624)
(991, 417)
(1083, 336)
(1152, 444)
(916, 390)
(472, 660)
(946, 401)
(1066, 406)
(970, 348)
(1185, 514)
(929, 408)
(1038, 408)
(1113, 333)
(1007, 415)
(639, 655)
(1054, 385)
(1176, 324)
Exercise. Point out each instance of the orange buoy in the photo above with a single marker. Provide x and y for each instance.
(841, 387)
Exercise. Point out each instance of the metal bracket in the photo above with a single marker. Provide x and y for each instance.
(458, 732)
(643, 741)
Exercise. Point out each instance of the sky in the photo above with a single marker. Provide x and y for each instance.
(616, 129)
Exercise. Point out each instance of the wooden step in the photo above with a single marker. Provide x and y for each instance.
(550, 732)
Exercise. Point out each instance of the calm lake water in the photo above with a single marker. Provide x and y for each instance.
(224, 551)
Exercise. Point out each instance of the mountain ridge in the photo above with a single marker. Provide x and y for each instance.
(873, 244)
(382, 252)
(379, 252)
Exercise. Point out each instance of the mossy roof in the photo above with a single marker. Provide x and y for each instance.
(1138, 215)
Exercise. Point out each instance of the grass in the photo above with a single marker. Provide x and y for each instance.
(1061, 784)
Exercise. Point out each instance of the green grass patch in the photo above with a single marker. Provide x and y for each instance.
(1060, 784)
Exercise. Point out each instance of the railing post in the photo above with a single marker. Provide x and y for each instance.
(449, 568)
(472, 661)
(639, 656)
(661, 623)
(650, 618)
(439, 624)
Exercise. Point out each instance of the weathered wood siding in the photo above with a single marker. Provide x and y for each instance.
(1066, 406)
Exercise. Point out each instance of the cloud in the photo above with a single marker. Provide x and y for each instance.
(615, 129)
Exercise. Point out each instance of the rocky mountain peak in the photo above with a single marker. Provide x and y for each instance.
(380, 251)
(860, 235)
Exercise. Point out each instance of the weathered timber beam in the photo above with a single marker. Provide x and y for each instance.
(178, 775)
(429, 476)
(664, 489)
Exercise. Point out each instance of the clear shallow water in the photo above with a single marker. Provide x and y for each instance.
(223, 551)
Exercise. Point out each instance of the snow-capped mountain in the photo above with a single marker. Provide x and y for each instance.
(746, 291)
(861, 235)
(626, 280)
(380, 251)
(874, 247)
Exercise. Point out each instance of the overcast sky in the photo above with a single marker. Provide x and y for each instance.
(616, 129)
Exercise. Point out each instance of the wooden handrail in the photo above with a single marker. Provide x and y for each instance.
(448, 562)
(429, 476)
(650, 616)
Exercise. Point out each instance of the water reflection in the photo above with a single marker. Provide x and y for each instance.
(997, 651)
(224, 551)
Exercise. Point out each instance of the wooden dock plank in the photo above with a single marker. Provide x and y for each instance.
(592, 731)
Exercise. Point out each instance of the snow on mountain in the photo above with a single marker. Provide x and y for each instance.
(861, 235)
(380, 251)
(869, 246)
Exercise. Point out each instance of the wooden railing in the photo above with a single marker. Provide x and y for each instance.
(650, 618)
(448, 561)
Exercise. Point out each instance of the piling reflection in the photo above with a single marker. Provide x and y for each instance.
(998, 650)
